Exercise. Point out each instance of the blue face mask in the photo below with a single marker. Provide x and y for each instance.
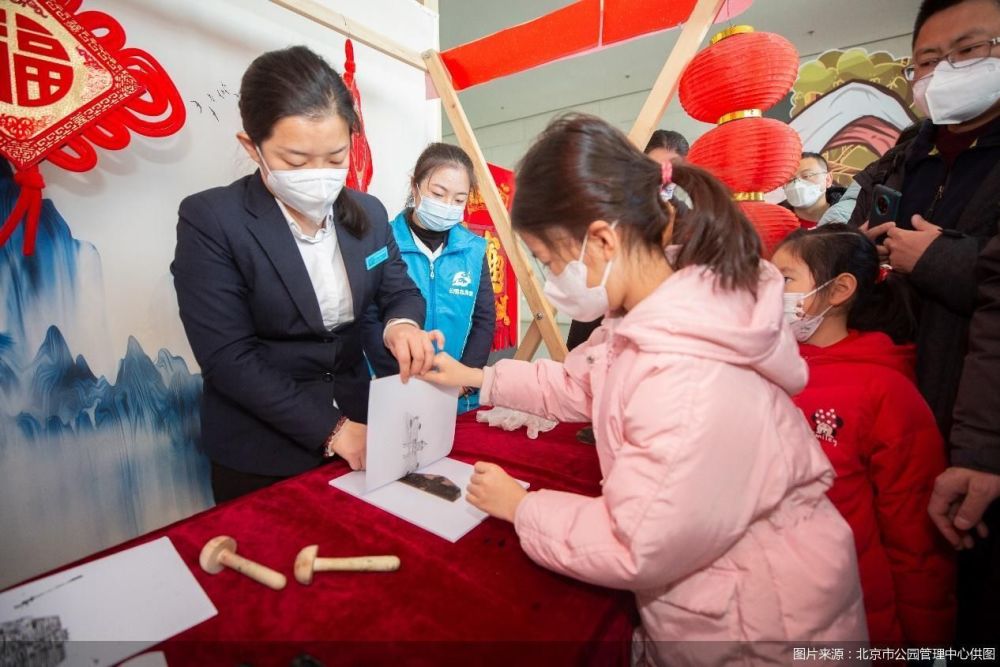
(437, 216)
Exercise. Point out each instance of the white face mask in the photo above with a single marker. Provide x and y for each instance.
(569, 292)
(437, 216)
(311, 192)
(801, 193)
(802, 325)
(952, 95)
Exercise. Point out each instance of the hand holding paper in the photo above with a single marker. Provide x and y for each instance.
(448, 372)
(413, 348)
(349, 444)
(494, 491)
(411, 431)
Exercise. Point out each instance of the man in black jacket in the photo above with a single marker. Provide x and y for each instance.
(965, 496)
(949, 177)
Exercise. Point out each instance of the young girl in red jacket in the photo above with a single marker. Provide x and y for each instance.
(875, 427)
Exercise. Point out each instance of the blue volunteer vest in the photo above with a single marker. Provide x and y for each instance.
(449, 285)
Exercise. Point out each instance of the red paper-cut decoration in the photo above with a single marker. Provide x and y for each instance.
(478, 220)
(576, 28)
(359, 176)
(68, 84)
(750, 154)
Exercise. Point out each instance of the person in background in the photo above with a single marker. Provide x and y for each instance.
(874, 426)
(949, 177)
(446, 261)
(811, 192)
(843, 209)
(272, 274)
(713, 507)
(965, 495)
(667, 146)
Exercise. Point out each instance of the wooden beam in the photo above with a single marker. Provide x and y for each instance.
(363, 35)
(529, 344)
(663, 91)
(542, 313)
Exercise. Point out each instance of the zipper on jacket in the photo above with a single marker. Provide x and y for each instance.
(929, 216)
(433, 293)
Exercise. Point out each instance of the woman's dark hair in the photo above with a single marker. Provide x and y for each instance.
(298, 82)
(582, 169)
(877, 305)
(670, 140)
(439, 155)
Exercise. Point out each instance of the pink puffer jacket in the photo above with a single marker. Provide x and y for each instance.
(713, 508)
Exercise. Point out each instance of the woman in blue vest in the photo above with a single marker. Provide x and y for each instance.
(446, 261)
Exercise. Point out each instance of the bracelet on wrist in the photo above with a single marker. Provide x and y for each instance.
(332, 438)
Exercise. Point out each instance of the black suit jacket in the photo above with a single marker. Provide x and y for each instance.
(273, 375)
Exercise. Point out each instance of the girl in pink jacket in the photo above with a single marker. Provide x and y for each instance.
(713, 509)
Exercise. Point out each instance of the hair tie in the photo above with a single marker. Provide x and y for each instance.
(883, 273)
(666, 181)
(667, 173)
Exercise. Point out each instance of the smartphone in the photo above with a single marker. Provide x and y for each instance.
(885, 208)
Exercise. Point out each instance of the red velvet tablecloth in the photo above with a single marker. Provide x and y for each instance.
(478, 601)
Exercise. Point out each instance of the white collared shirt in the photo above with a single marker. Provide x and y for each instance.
(327, 273)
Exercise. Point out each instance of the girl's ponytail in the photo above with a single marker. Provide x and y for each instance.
(713, 232)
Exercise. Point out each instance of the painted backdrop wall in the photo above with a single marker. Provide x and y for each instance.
(98, 387)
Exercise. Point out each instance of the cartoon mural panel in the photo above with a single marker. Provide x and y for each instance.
(850, 106)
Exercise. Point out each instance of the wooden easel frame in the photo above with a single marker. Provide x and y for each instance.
(543, 326)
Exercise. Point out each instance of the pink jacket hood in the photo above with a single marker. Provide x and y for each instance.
(690, 315)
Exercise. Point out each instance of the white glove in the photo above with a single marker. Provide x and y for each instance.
(511, 420)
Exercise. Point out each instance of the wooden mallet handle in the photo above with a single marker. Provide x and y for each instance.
(220, 552)
(259, 573)
(357, 564)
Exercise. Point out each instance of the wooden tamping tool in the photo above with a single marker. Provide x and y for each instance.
(306, 563)
(220, 552)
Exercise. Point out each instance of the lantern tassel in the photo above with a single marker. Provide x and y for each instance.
(27, 208)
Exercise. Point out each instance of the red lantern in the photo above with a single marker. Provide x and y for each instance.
(732, 83)
(754, 70)
(749, 155)
(772, 222)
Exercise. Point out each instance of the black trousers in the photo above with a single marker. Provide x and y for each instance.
(228, 484)
(979, 588)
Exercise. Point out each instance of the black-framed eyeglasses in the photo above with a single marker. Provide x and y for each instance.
(963, 56)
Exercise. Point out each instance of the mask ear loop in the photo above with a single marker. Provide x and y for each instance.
(814, 291)
(263, 162)
(607, 266)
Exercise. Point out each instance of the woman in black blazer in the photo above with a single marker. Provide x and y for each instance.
(273, 273)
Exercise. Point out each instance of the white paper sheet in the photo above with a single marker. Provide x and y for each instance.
(450, 520)
(116, 606)
(410, 426)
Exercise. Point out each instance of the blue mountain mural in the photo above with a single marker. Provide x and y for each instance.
(86, 461)
(146, 396)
